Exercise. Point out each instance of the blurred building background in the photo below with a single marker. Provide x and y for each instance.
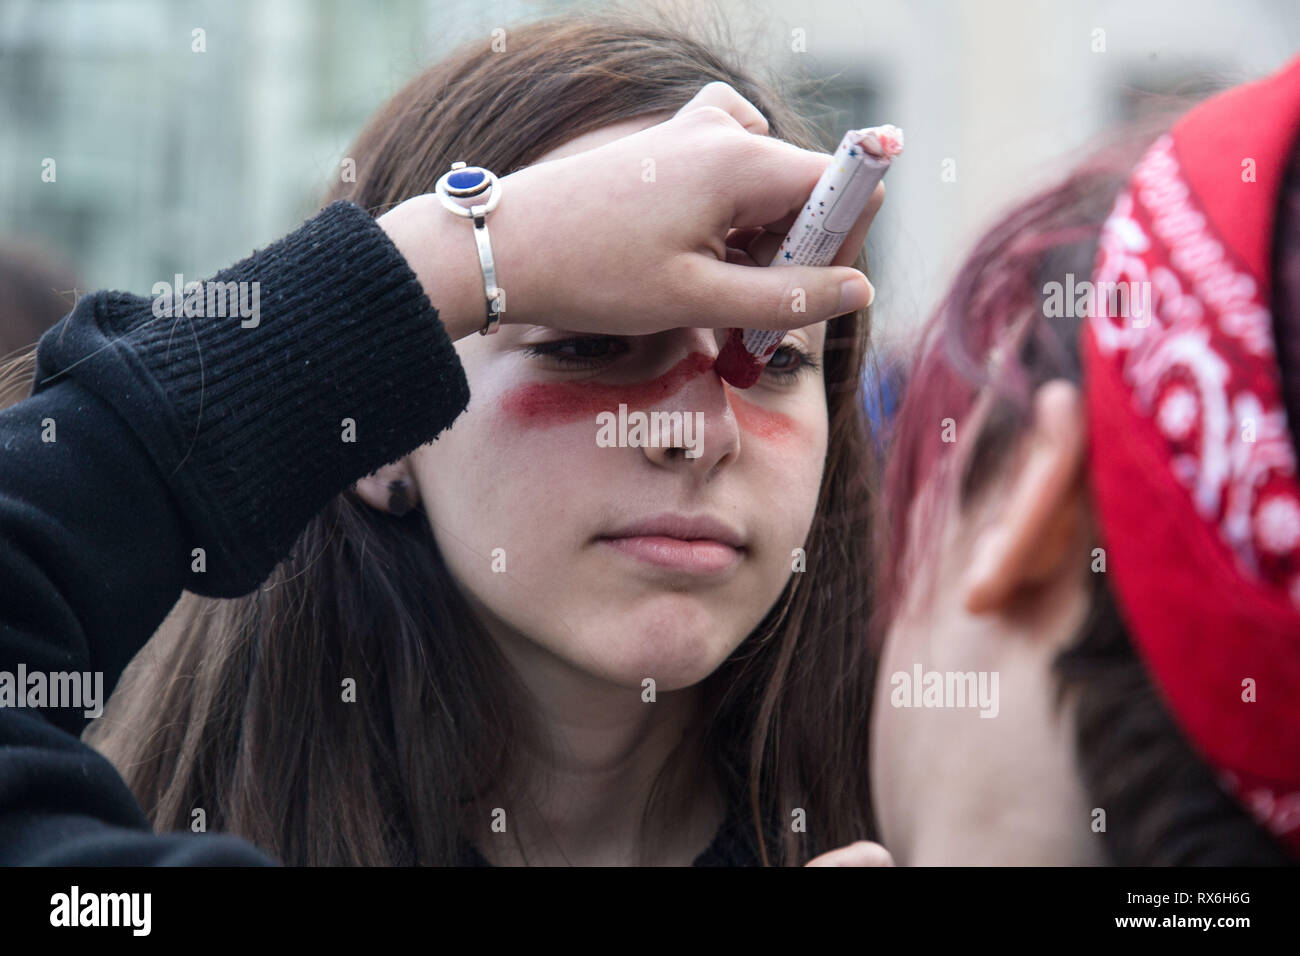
(169, 160)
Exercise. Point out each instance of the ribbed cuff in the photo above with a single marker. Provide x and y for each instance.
(259, 420)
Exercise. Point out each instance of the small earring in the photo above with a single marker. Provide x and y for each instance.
(399, 499)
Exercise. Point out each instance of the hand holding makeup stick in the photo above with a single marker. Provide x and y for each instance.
(645, 233)
(861, 853)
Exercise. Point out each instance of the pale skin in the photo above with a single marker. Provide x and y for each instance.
(1004, 590)
(583, 620)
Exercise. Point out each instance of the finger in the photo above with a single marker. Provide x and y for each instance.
(862, 853)
(741, 238)
(766, 244)
(728, 295)
(857, 236)
(740, 257)
(724, 96)
(782, 225)
(770, 180)
(763, 239)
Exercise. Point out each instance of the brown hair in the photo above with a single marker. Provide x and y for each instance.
(37, 289)
(234, 709)
(1163, 803)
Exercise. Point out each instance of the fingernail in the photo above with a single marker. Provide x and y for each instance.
(855, 294)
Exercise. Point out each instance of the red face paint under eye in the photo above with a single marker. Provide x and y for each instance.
(759, 421)
(561, 402)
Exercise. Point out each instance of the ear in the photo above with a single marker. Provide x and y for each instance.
(1033, 534)
(391, 489)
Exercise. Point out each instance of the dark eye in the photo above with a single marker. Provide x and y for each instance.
(588, 351)
(789, 361)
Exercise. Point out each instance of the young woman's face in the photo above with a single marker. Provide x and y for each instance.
(574, 552)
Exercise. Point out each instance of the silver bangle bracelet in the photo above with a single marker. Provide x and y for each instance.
(474, 182)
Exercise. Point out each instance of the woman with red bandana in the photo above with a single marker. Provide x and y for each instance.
(1093, 511)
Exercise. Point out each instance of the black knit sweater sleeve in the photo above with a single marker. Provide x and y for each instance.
(160, 452)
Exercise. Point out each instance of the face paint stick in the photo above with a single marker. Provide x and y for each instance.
(857, 167)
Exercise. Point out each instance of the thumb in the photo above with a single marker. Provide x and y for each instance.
(861, 853)
(787, 297)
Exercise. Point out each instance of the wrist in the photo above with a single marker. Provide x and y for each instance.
(439, 248)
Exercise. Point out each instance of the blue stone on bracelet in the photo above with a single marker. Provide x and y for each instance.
(465, 178)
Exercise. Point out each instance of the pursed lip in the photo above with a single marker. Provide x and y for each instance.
(698, 544)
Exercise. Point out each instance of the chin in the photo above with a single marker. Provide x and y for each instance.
(677, 650)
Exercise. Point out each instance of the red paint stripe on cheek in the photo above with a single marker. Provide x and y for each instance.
(541, 405)
(760, 422)
(554, 404)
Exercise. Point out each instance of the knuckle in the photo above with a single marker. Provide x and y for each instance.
(711, 114)
(749, 152)
(686, 283)
(794, 293)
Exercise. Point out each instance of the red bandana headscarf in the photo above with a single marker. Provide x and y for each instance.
(1191, 459)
